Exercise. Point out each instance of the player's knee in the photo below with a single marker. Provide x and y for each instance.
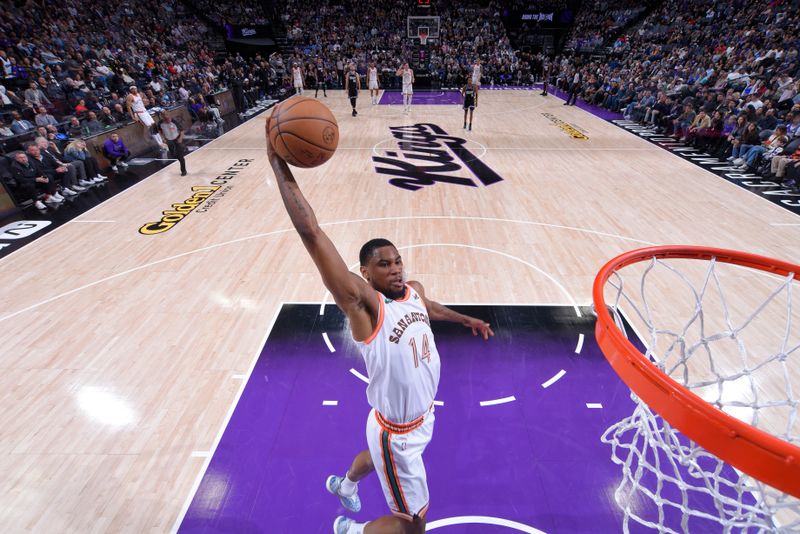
(415, 526)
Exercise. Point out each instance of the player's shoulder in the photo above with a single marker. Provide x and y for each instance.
(366, 291)
(416, 286)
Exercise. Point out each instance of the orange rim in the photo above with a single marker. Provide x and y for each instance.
(757, 453)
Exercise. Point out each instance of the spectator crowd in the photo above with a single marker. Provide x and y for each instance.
(723, 76)
(347, 32)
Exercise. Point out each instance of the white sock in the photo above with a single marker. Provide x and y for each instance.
(348, 488)
(157, 138)
(356, 528)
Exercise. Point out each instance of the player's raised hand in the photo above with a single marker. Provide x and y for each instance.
(479, 327)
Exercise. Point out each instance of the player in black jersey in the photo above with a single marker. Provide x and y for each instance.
(548, 70)
(470, 101)
(352, 84)
(320, 79)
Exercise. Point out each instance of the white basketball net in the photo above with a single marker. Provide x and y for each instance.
(670, 483)
(423, 37)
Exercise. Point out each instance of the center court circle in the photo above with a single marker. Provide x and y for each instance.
(388, 145)
(482, 520)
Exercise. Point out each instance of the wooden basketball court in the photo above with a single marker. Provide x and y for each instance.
(127, 334)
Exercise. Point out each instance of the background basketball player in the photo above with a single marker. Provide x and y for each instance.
(389, 319)
(352, 84)
(372, 82)
(297, 79)
(139, 113)
(547, 71)
(476, 76)
(470, 102)
(408, 89)
(320, 78)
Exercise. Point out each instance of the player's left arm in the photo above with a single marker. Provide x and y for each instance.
(440, 312)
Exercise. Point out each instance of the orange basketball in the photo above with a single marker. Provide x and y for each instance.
(303, 131)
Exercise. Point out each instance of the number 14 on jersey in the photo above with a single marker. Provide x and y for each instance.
(426, 351)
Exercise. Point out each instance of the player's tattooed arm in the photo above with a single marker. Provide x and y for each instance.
(350, 292)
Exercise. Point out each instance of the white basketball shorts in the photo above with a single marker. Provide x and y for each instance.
(396, 452)
(145, 118)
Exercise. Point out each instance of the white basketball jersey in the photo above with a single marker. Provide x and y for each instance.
(137, 105)
(296, 74)
(407, 77)
(402, 360)
(373, 74)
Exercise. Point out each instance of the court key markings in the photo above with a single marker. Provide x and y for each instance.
(283, 231)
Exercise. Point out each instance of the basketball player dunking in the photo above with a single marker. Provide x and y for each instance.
(139, 113)
(476, 77)
(408, 89)
(470, 95)
(389, 320)
(352, 84)
(297, 79)
(372, 82)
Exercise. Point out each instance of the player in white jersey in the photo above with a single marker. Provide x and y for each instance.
(390, 321)
(297, 79)
(477, 70)
(372, 82)
(139, 113)
(408, 89)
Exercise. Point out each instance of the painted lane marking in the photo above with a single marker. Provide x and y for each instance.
(547, 275)
(554, 379)
(288, 230)
(328, 342)
(493, 402)
(394, 140)
(438, 403)
(359, 376)
(482, 520)
(330, 403)
(218, 438)
(594, 405)
(580, 344)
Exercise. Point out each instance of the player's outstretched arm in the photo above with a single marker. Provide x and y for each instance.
(349, 291)
(440, 312)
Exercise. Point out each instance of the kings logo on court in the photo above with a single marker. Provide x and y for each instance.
(426, 155)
